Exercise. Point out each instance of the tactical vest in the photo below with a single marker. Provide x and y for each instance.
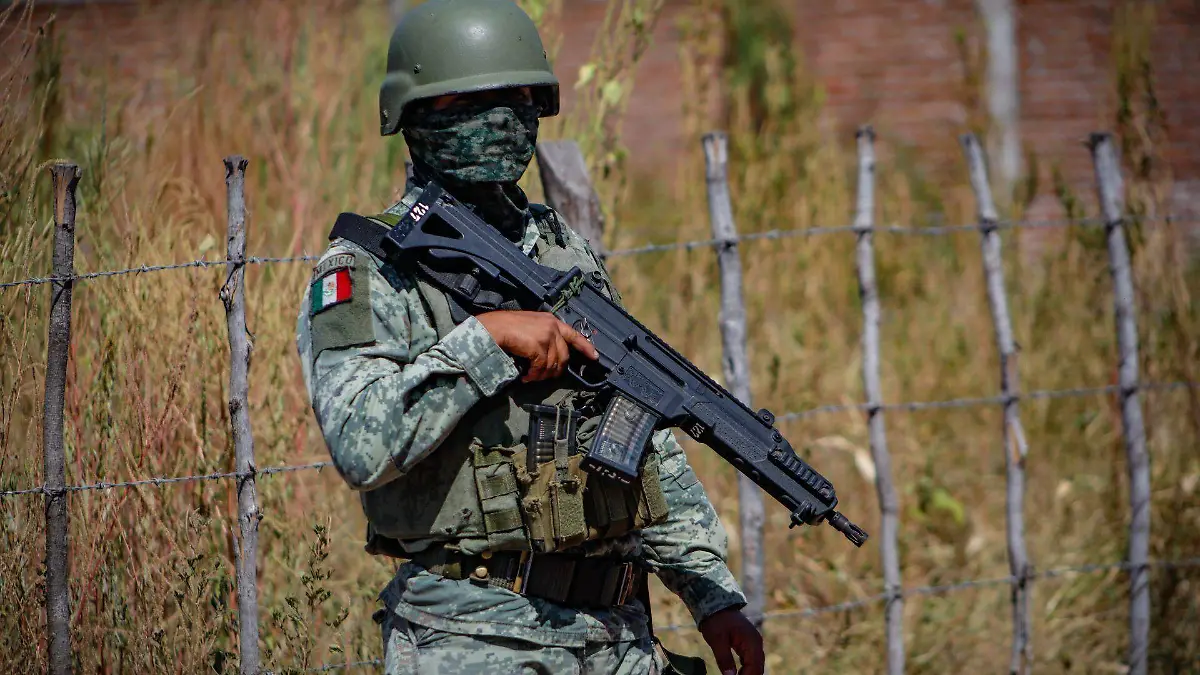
(498, 483)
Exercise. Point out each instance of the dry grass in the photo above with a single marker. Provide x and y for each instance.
(151, 580)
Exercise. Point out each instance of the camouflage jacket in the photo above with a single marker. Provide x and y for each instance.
(385, 406)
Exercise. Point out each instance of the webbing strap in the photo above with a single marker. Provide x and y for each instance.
(361, 230)
(500, 521)
(570, 580)
(494, 486)
(466, 289)
(467, 296)
(483, 457)
(551, 577)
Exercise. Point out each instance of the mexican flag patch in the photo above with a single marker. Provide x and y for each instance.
(333, 284)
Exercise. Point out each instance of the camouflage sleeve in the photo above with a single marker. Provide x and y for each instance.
(391, 396)
(688, 550)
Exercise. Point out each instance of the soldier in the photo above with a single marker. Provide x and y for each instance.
(454, 424)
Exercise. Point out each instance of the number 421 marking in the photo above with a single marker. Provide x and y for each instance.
(419, 210)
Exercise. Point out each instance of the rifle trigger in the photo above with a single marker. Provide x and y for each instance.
(579, 372)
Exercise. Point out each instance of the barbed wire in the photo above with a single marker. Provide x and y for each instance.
(925, 230)
(966, 402)
(922, 230)
(904, 407)
(942, 589)
(158, 482)
(337, 666)
(201, 263)
(851, 605)
(775, 234)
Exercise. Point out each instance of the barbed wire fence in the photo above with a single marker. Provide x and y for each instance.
(561, 165)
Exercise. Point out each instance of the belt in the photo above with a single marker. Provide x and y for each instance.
(571, 580)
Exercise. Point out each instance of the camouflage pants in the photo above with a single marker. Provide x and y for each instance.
(410, 649)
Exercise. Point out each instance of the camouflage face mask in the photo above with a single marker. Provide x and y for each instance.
(475, 142)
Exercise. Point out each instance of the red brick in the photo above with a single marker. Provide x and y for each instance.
(891, 62)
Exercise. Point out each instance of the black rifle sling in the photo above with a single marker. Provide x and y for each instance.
(365, 232)
(465, 293)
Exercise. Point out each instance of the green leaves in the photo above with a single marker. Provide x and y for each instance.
(297, 621)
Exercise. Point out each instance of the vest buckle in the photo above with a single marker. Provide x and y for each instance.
(467, 285)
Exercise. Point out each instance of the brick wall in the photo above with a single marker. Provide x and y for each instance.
(892, 63)
(652, 123)
(895, 64)
(1177, 63)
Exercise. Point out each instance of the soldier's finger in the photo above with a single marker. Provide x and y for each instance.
(723, 654)
(578, 341)
(556, 357)
(749, 647)
(537, 369)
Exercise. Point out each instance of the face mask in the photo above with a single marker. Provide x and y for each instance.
(481, 142)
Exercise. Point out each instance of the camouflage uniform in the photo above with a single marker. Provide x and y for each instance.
(385, 406)
(406, 394)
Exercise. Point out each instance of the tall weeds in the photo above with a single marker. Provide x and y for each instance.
(803, 305)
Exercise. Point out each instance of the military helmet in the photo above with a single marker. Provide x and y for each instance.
(457, 46)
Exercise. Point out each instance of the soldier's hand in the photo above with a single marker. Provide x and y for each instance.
(729, 632)
(538, 337)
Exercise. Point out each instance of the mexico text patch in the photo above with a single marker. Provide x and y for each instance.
(339, 304)
(333, 262)
(333, 283)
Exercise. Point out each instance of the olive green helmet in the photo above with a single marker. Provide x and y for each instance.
(456, 46)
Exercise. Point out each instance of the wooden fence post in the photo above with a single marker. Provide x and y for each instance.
(735, 366)
(885, 490)
(1109, 185)
(233, 296)
(1015, 447)
(569, 189)
(58, 344)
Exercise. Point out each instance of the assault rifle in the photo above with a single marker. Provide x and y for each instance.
(652, 385)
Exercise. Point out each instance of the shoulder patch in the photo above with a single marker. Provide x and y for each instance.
(332, 283)
(340, 303)
(333, 262)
